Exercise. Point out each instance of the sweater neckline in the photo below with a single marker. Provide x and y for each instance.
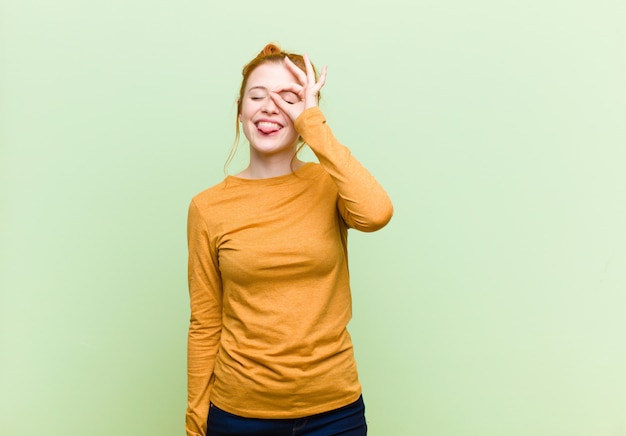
(306, 170)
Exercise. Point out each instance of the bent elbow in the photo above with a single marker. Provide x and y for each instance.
(377, 220)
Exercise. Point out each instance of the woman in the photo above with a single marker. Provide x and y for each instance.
(268, 350)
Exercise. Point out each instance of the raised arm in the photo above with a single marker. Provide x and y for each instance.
(363, 203)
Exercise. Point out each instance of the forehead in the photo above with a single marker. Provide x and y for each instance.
(270, 75)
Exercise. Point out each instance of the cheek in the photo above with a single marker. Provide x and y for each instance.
(246, 113)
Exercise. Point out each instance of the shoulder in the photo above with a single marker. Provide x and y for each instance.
(318, 172)
(210, 196)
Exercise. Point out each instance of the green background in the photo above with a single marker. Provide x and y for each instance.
(493, 303)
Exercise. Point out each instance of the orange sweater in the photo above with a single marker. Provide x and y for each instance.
(269, 285)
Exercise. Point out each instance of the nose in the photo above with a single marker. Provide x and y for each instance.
(269, 106)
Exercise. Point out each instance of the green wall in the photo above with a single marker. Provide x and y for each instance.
(493, 304)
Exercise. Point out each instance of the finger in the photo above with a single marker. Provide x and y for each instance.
(286, 100)
(295, 70)
(280, 102)
(322, 79)
(292, 110)
(312, 93)
(310, 73)
(290, 87)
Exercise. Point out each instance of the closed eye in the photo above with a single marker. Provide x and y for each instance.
(290, 97)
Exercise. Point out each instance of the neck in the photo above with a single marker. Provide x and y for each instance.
(264, 167)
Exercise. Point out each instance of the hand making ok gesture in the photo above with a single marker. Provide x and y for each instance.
(307, 89)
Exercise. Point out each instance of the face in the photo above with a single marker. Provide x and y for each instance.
(268, 129)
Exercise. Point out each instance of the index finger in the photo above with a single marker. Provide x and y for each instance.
(289, 87)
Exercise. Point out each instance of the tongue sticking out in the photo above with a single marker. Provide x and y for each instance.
(268, 127)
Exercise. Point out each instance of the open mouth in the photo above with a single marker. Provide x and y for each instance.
(268, 127)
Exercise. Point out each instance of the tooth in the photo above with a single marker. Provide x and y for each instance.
(268, 124)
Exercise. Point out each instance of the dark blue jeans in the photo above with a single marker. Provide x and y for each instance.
(345, 421)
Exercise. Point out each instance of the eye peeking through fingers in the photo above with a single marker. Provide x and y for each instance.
(289, 97)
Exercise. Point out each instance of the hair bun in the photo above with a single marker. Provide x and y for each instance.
(270, 49)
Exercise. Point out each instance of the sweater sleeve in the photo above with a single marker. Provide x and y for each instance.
(363, 203)
(205, 295)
